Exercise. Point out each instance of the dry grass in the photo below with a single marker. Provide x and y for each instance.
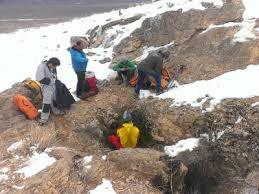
(43, 137)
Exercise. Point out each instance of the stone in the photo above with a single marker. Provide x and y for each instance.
(146, 161)
(105, 60)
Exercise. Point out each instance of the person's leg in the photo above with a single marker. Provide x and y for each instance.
(141, 77)
(53, 104)
(47, 93)
(128, 74)
(79, 86)
(125, 79)
(158, 82)
(120, 77)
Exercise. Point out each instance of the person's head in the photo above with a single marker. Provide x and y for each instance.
(164, 53)
(53, 62)
(79, 45)
(124, 61)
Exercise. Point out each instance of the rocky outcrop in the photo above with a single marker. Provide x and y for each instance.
(213, 53)
(97, 35)
(145, 161)
(179, 27)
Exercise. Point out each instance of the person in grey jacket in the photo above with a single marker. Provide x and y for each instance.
(151, 66)
(47, 75)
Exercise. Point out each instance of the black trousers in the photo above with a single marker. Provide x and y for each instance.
(80, 82)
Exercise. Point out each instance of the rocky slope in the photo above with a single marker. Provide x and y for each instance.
(220, 164)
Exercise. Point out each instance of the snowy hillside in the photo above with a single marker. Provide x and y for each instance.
(22, 51)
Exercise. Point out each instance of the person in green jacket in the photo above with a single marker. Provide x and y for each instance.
(125, 70)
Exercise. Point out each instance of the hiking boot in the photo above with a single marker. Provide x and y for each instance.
(135, 95)
(41, 123)
(60, 113)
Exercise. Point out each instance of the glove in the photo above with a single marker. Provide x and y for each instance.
(45, 81)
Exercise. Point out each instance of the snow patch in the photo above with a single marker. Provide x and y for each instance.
(3, 177)
(145, 94)
(4, 170)
(226, 25)
(104, 157)
(15, 146)
(181, 146)
(147, 50)
(105, 187)
(234, 84)
(219, 135)
(18, 187)
(87, 159)
(36, 163)
(255, 104)
(246, 32)
(239, 119)
(251, 9)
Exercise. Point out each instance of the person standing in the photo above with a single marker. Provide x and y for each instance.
(46, 74)
(79, 63)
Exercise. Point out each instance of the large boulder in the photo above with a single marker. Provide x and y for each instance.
(145, 161)
(12, 116)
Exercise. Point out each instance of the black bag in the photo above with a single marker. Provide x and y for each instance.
(64, 98)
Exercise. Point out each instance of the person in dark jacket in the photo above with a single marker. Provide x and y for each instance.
(125, 70)
(79, 63)
(151, 66)
(47, 75)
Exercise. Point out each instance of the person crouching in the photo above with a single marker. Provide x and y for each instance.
(47, 75)
(125, 70)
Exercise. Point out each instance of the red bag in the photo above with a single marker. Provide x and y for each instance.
(25, 106)
(89, 85)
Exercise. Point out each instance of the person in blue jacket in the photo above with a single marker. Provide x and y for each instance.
(79, 63)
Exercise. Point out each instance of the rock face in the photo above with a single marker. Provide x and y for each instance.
(181, 26)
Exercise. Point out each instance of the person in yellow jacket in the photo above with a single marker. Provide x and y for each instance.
(128, 135)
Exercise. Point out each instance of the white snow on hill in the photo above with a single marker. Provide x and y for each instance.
(105, 187)
(234, 84)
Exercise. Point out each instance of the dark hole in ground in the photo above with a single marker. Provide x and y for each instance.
(140, 120)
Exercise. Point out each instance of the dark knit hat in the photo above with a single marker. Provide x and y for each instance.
(54, 61)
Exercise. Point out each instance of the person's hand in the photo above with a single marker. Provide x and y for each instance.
(45, 81)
